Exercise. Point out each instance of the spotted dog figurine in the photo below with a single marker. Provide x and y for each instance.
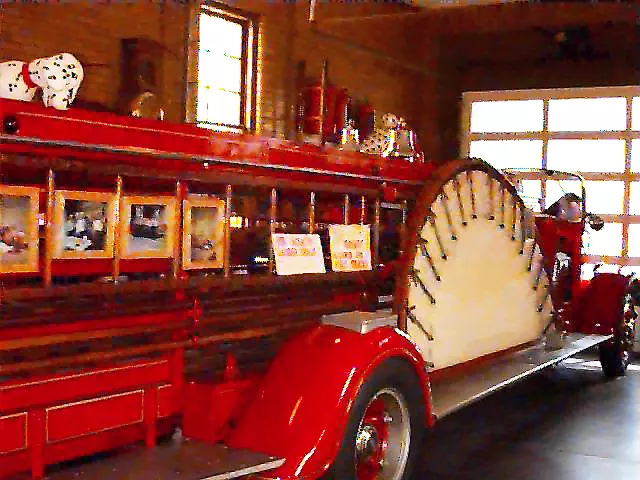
(59, 77)
(379, 141)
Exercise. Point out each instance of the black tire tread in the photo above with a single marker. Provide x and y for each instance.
(394, 372)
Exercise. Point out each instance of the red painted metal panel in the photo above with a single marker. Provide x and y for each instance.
(166, 401)
(14, 433)
(208, 408)
(15, 462)
(91, 416)
(598, 309)
(302, 405)
(53, 390)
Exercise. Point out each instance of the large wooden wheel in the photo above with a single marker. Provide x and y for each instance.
(471, 280)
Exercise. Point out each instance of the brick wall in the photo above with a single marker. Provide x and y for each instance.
(92, 31)
(378, 65)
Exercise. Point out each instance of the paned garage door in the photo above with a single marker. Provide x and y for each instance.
(594, 132)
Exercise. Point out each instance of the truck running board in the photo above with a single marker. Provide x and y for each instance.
(186, 460)
(450, 395)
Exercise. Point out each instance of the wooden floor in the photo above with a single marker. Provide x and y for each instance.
(565, 423)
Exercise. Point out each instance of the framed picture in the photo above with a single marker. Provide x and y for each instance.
(203, 232)
(147, 226)
(19, 208)
(84, 224)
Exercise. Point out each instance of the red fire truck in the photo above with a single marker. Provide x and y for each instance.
(144, 311)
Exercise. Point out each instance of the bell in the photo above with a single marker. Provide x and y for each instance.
(401, 142)
(350, 139)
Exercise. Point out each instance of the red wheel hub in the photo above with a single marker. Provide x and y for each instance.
(371, 441)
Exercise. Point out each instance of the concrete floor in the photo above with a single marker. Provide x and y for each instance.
(566, 423)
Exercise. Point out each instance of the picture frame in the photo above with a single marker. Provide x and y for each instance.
(19, 231)
(203, 232)
(147, 226)
(84, 224)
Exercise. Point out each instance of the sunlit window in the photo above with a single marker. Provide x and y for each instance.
(587, 114)
(607, 241)
(634, 200)
(509, 153)
(634, 240)
(222, 84)
(558, 188)
(586, 155)
(507, 116)
(580, 130)
(635, 155)
(531, 192)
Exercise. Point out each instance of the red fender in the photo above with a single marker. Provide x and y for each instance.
(598, 308)
(302, 406)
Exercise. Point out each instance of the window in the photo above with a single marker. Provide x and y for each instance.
(592, 131)
(221, 78)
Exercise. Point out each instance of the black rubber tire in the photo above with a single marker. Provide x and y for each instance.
(392, 373)
(615, 355)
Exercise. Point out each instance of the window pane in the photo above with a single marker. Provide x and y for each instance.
(217, 106)
(607, 241)
(220, 72)
(588, 114)
(586, 155)
(635, 113)
(635, 154)
(587, 269)
(631, 269)
(530, 191)
(634, 240)
(220, 36)
(557, 188)
(508, 153)
(634, 200)
(606, 197)
(507, 116)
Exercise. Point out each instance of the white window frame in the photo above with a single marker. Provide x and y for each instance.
(628, 135)
(248, 97)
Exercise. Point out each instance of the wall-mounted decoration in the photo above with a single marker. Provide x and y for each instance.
(147, 226)
(203, 232)
(141, 78)
(18, 229)
(84, 224)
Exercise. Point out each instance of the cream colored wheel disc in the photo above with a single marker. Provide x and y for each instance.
(474, 281)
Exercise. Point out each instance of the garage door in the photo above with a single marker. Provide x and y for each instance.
(594, 132)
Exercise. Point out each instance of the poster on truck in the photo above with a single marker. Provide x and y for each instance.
(297, 253)
(350, 247)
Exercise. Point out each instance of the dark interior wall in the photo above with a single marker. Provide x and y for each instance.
(413, 63)
(604, 54)
(368, 57)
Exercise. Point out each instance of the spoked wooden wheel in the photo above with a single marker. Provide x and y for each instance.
(472, 280)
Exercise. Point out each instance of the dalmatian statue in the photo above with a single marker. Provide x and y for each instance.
(59, 77)
(379, 141)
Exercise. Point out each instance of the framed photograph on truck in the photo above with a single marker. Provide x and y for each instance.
(203, 232)
(147, 226)
(19, 208)
(84, 224)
